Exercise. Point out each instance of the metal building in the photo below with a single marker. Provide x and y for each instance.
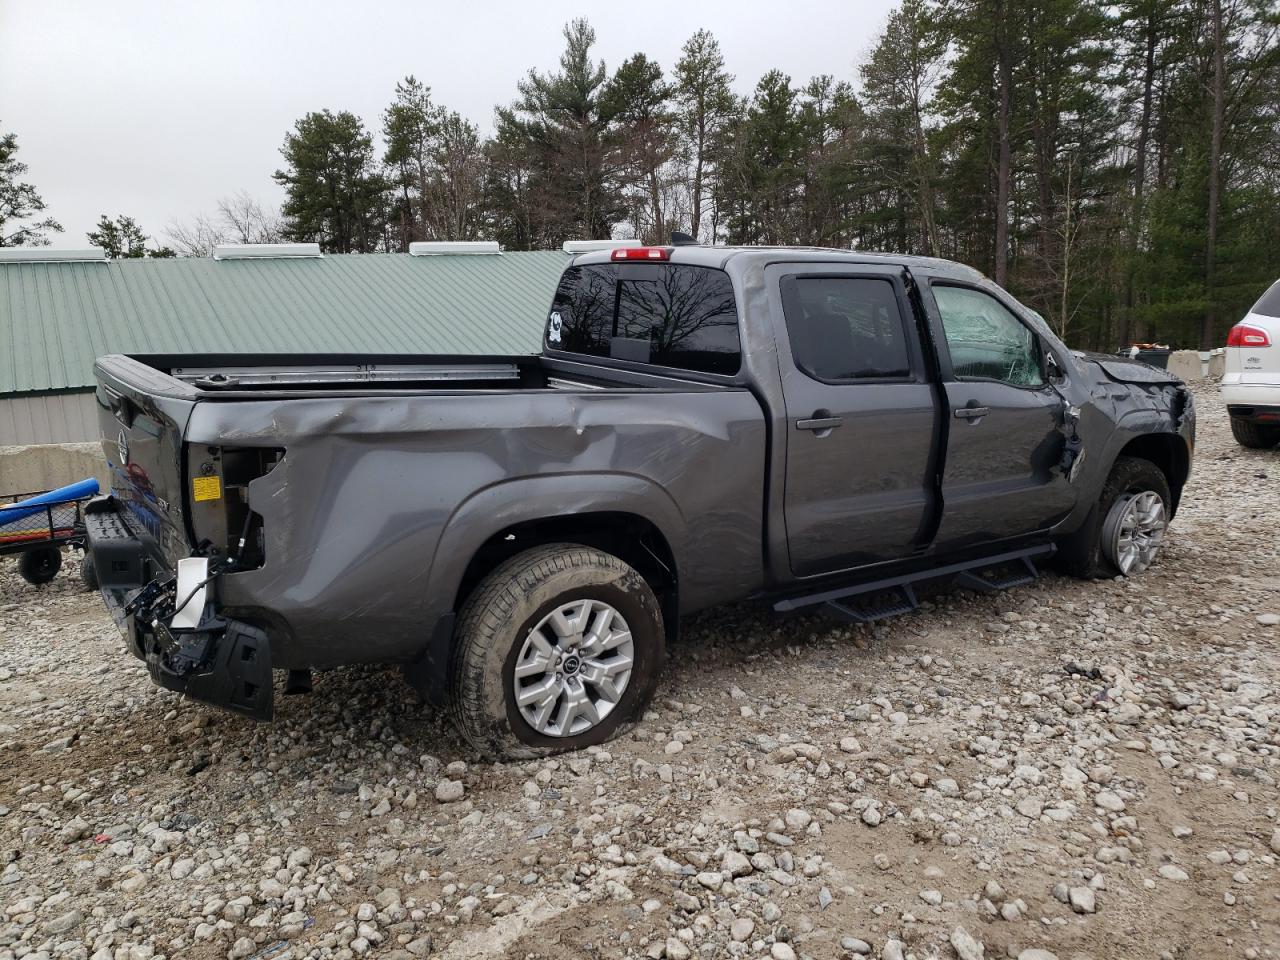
(60, 309)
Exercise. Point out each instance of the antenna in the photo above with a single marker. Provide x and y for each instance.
(679, 239)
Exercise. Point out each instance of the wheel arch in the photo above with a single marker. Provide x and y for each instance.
(625, 515)
(632, 538)
(1169, 453)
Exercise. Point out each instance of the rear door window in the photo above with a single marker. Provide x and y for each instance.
(671, 315)
(845, 328)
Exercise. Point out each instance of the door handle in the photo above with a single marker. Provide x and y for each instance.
(819, 423)
(971, 413)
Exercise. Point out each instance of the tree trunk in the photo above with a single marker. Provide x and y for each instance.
(655, 198)
(925, 183)
(1139, 178)
(695, 219)
(1003, 163)
(1208, 331)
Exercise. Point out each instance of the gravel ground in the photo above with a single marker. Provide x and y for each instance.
(1067, 769)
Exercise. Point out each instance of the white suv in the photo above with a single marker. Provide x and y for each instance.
(1251, 381)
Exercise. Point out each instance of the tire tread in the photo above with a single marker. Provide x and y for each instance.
(489, 609)
(1254, 436)
(1080, 554)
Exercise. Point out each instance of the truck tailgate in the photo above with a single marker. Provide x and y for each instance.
(142, 415)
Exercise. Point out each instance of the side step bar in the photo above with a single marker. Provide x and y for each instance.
(878, 599)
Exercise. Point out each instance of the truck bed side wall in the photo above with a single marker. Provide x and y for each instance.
(380, 502)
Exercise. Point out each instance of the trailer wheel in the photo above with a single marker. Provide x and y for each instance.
(40, 565)
(88, 572)
(1124, 532)
(559, 648)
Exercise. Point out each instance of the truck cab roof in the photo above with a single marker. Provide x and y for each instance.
(744, 256)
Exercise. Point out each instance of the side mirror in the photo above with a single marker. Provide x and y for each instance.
(1052, 370)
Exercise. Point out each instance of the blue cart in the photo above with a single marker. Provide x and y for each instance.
(38, 527)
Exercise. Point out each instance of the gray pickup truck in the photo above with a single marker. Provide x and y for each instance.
(822, 430)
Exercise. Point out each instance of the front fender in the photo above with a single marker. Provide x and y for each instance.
(1129, 426)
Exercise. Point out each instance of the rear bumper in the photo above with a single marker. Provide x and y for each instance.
(1236, 394)
(1255, 413)
(222, 661)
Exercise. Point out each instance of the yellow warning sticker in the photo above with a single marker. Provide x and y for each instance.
(206, 488)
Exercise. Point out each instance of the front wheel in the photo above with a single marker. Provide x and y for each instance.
(1253, 435)
(1123, 534)
(559, 648)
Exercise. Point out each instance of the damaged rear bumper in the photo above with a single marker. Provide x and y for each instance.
(219, 660)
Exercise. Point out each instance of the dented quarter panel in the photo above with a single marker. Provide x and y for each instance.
(380, 502)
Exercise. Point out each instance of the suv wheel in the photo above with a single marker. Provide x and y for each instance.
(559, 648)
(1253, 435)
(1124, 532)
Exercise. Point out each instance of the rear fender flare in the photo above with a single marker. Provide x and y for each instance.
(510, 502)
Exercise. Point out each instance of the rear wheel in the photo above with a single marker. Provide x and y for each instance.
(1124, 532)
(1253, 435)
(559, 648)
(40, 565)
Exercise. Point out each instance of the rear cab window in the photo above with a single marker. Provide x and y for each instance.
(664, 314)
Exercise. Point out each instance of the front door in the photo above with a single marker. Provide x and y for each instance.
(1004, 438)
(861, 417)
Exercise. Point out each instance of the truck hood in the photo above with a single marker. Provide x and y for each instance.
(1124, 370)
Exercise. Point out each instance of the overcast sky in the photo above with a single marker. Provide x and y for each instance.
(155, 108)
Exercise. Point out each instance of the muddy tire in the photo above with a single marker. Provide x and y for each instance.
(1125, 530)
(40, 565)
(559, 648)
(1254, 436)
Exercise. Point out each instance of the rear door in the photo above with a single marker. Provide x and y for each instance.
(1004, 437)
(861, 416)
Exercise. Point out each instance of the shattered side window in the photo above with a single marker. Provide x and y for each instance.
(985, 340)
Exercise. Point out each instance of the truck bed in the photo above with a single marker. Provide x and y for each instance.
(349, 476)
(243, 376)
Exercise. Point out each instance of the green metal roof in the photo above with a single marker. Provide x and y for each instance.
(55, 318)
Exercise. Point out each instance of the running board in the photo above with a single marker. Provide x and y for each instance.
(894, 595)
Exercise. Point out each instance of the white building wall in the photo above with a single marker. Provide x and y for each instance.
(51, 418)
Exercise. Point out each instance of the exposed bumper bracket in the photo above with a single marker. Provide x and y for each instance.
(223, 662)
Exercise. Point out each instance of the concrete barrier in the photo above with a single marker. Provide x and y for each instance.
(1185, 364)
(31, 469)
(1217, 364)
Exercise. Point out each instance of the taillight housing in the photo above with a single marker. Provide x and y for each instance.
(642, 253)
(1243, 335)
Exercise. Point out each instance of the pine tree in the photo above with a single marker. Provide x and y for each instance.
(636, 101)
(705, 104)
(897, 82)
(336, 195)
(20, 201)
(577, 168)
(123, 239)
